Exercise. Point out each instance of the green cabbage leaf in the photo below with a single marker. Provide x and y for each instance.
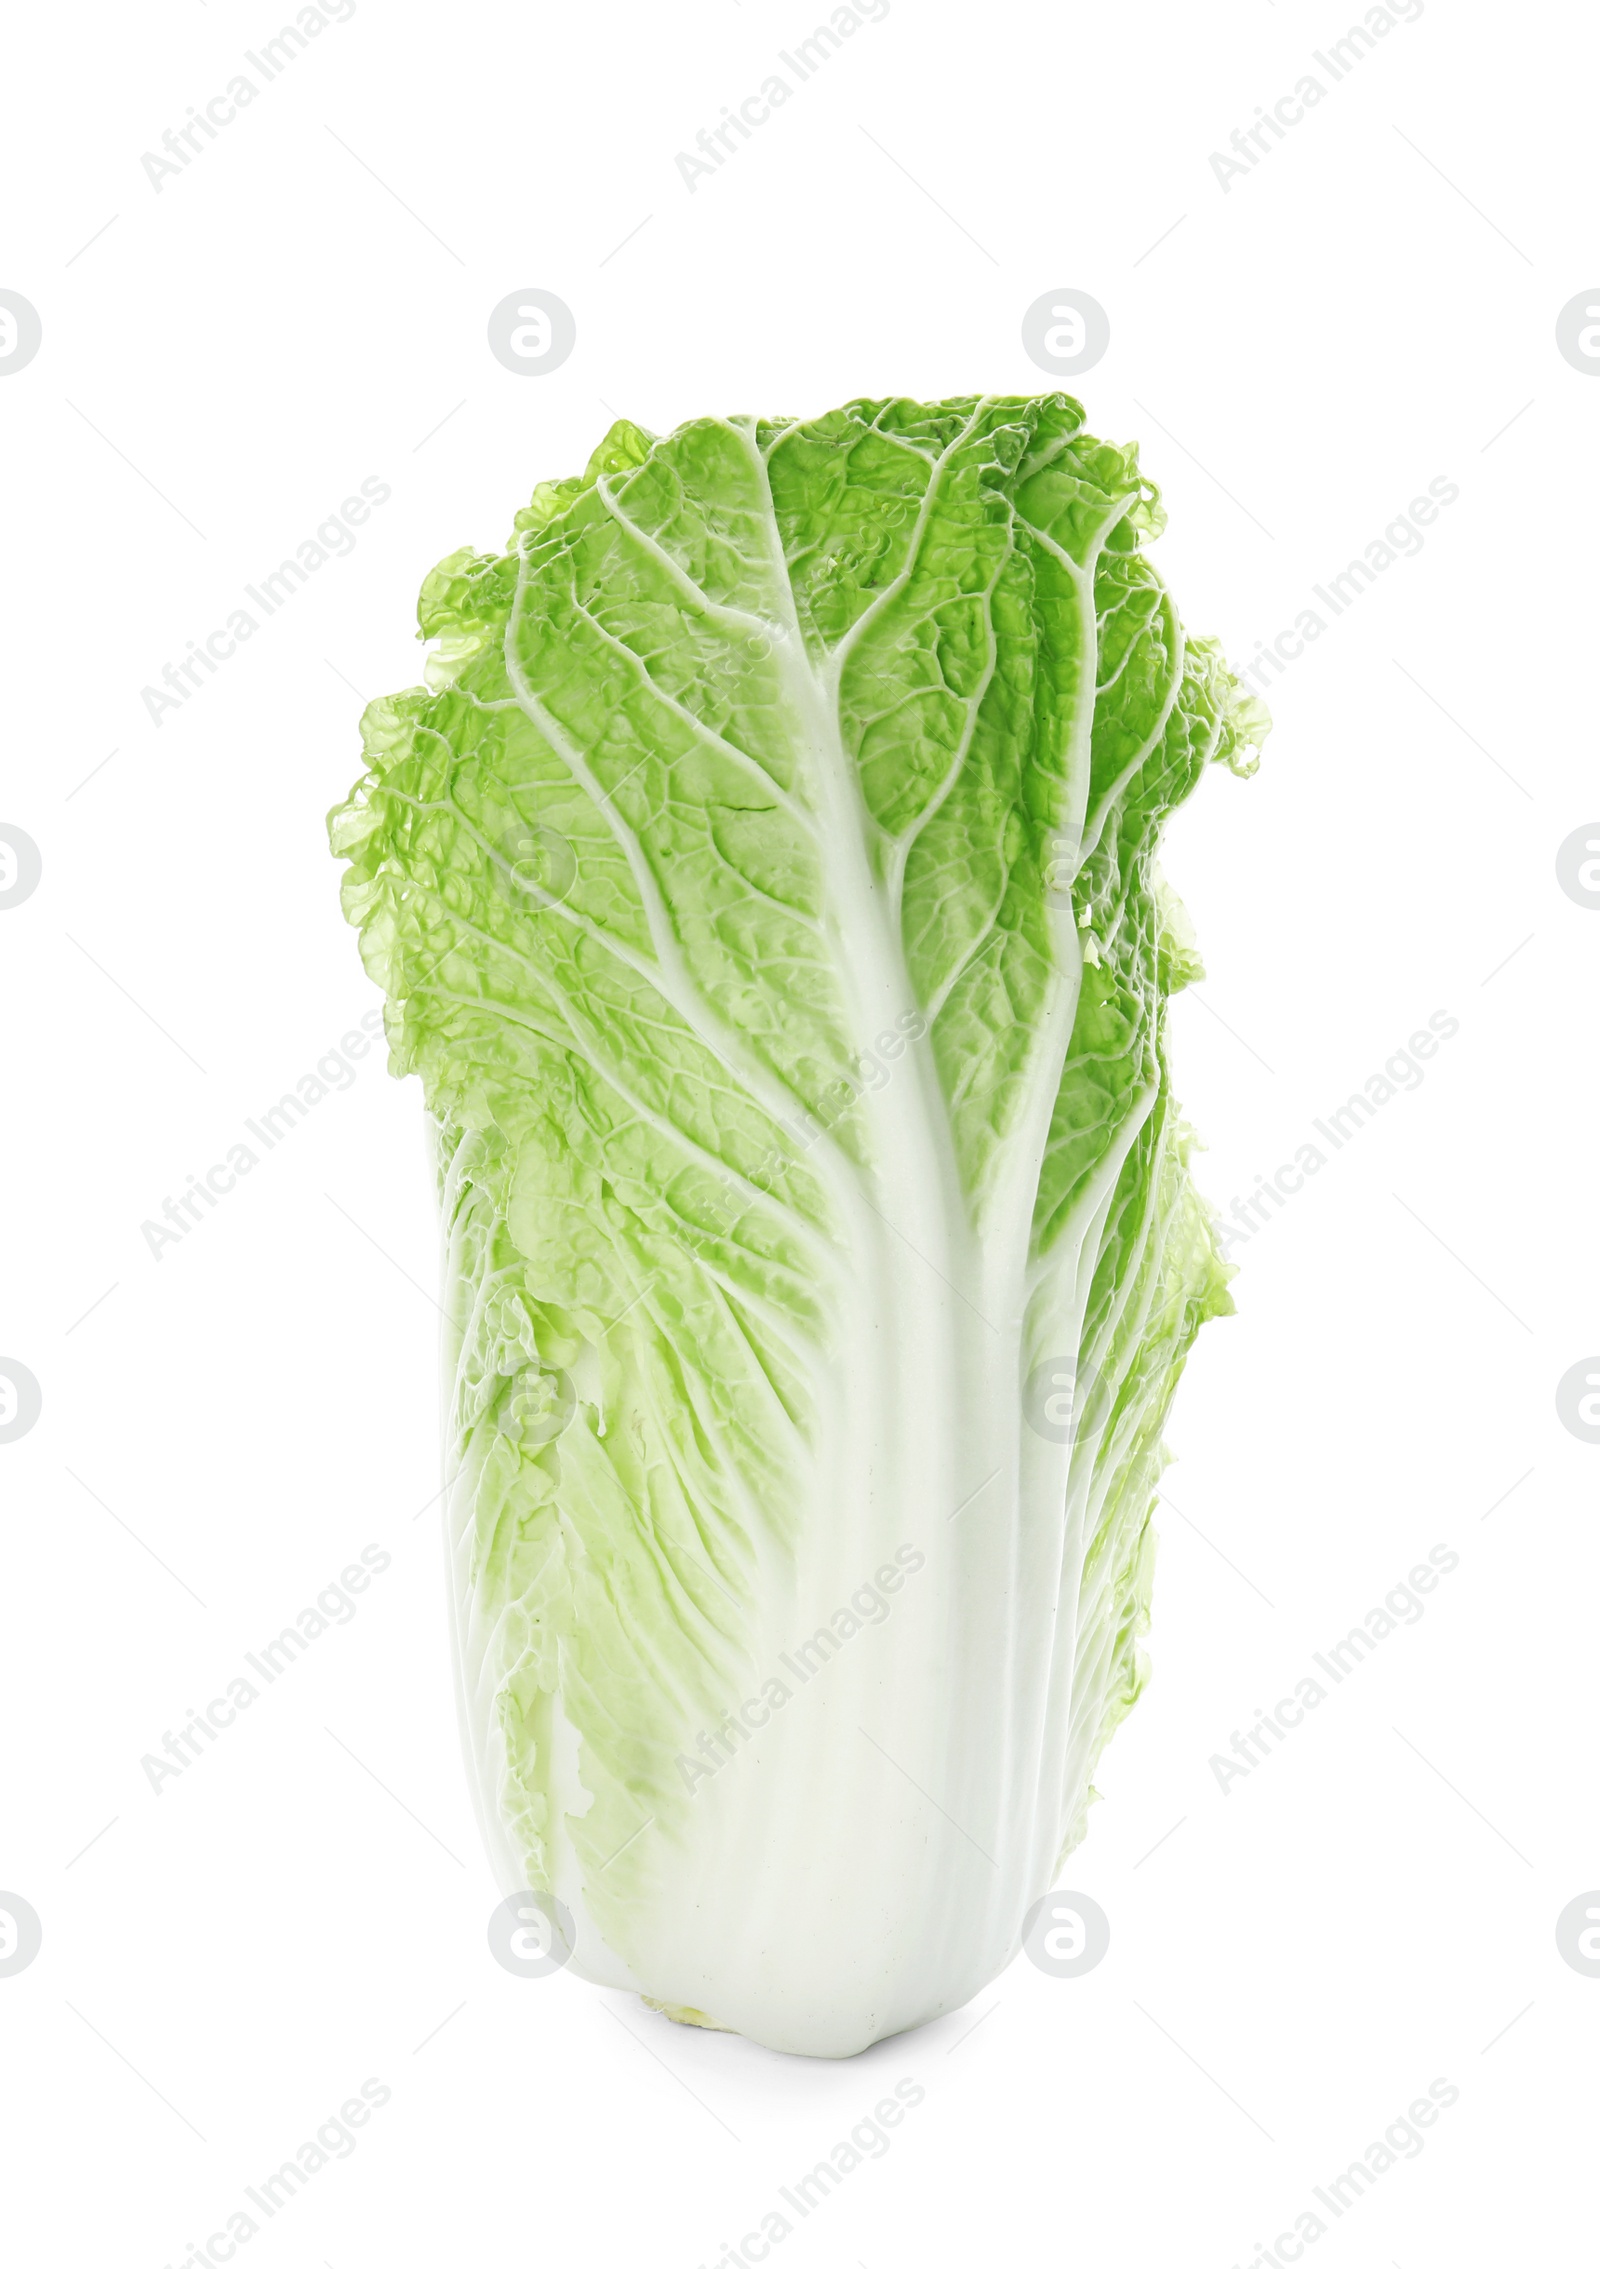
(764, 889)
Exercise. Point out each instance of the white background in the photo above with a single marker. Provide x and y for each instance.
(1370, 1909)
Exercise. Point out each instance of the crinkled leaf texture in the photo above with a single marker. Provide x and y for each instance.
(764, 889)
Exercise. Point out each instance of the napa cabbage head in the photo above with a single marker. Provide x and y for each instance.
(764, 889)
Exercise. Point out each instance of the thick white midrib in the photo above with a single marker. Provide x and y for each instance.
(1138, 1282)
(906, 1115)
(1043, 1682)
(1006, 1206)
(910, 1188)
(922, 1197)
(1085, 1707)
(867, 908)
(1109, 1449)
(901, 1358)
(1081, 1506)
(1016, 1197)
(1146, 1264)
(877, 1459)
(1005, 1221)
